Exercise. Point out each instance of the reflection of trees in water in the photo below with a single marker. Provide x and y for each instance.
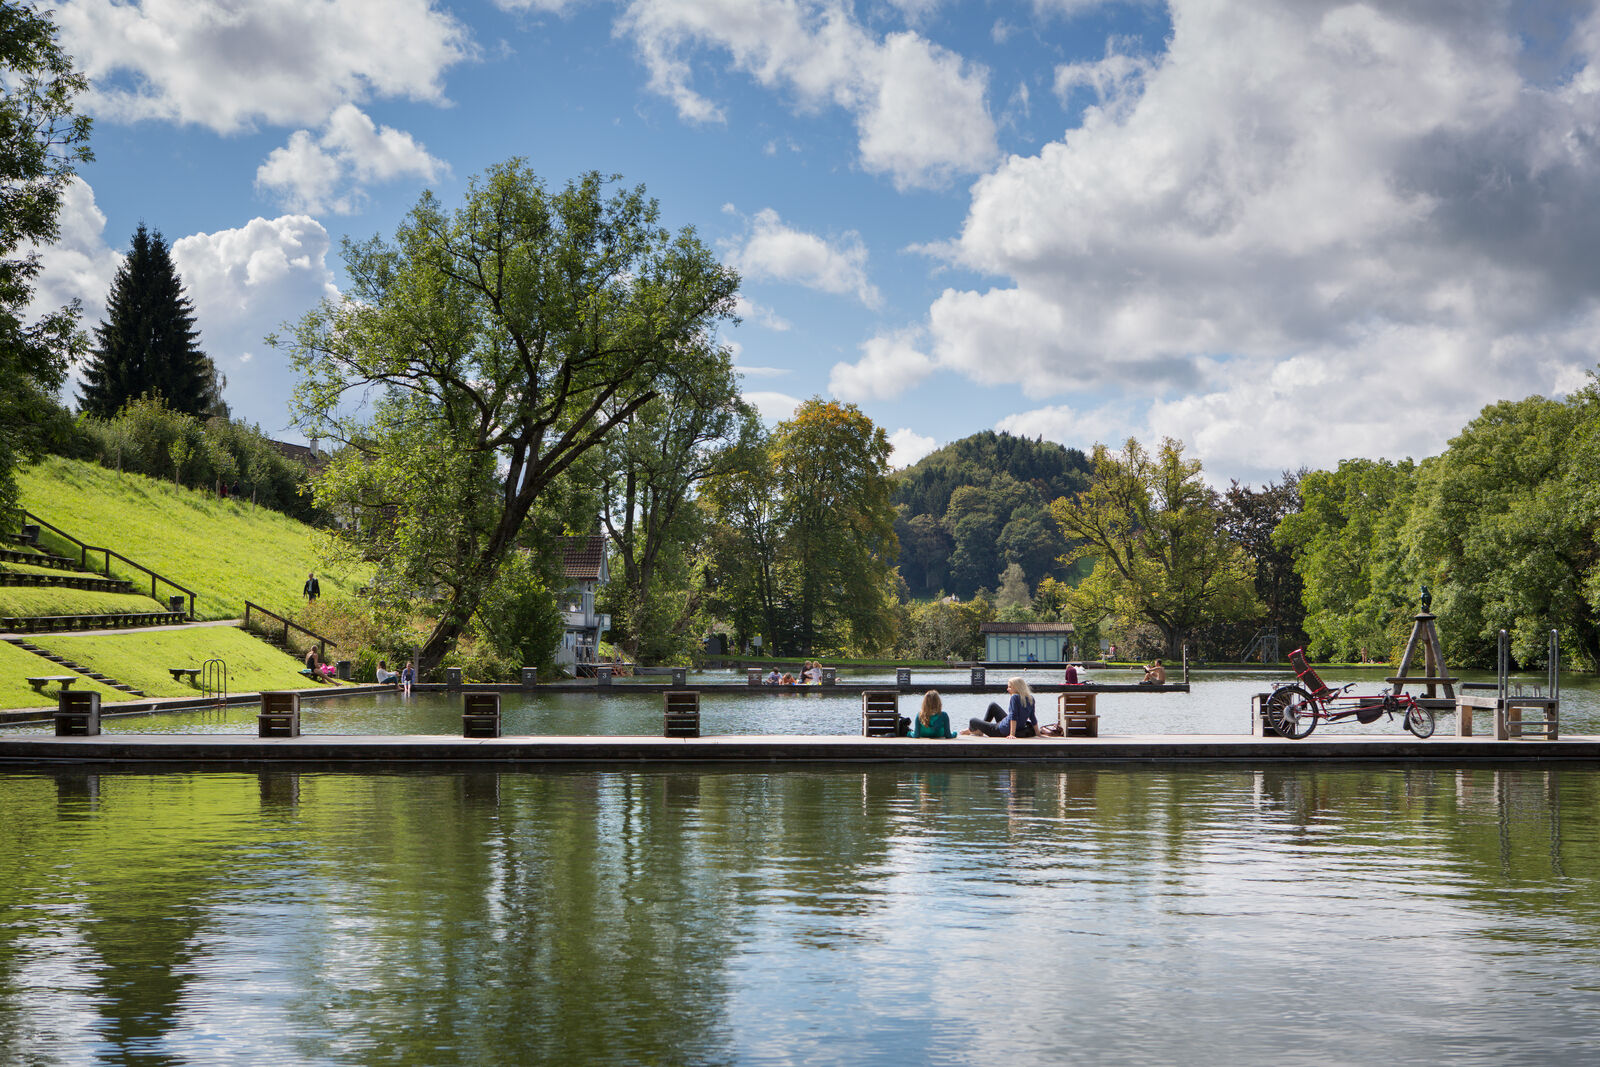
(111, 919)
(599, 917)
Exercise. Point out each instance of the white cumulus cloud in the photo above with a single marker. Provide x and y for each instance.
(1376, 218)
(228, 64)
(890, 363)
(921, 111)
(245, 283)
(909, 446)
(777, 252)
(79, 265)
(327, 172)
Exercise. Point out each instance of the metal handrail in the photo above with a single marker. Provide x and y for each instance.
(84, 548)
(322, 641)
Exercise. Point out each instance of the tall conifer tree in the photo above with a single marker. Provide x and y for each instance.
(148, 343)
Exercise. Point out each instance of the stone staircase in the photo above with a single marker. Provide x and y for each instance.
(78, 668)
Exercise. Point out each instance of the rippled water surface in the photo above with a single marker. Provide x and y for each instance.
(893, 915)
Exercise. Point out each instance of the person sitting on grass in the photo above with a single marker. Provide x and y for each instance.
(1154, 674)
(1018, 721)
(931, 721)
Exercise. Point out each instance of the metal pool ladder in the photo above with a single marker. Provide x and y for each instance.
(214, 679)
(1513, 704)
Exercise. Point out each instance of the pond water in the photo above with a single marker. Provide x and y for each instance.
(1218, 703)
(979, 915)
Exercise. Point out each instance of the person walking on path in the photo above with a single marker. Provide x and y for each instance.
(312, 589)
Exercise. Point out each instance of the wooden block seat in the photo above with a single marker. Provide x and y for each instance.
(880, 713)
(1075, 712)
(681, 714)
(480, 714)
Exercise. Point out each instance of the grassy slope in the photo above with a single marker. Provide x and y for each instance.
(54, 600)
(17, 665)
(225, 550)
(141, 658)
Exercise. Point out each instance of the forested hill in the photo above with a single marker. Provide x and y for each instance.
(980, 504)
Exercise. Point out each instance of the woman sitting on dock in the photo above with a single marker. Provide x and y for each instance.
(931, 721)
(1018, 721)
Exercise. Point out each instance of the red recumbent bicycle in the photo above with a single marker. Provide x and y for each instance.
(1294, 708)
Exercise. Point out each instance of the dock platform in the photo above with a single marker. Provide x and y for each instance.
(199, 751)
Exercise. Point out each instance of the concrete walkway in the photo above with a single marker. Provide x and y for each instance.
(199, 750)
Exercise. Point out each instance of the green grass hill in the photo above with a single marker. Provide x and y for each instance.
(225, 550)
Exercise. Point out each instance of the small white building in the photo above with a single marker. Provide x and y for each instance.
(585, 570)
(1026, 642)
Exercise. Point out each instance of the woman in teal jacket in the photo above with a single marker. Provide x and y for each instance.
(931, 721)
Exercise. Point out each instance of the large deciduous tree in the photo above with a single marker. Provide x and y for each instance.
(653, 466)
(832, 467)
(1346, 543)
(148, 344)
(804, 546)
(1504, 526)
(1154, 531)
(41, 142)
(504, 341)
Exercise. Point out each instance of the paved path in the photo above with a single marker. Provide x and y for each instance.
(177, 750)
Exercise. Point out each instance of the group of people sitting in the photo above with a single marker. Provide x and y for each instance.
(404, 678)
(1017, 719)
(811, 674)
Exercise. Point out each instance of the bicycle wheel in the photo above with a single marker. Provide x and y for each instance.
(1419, 720)
(1292, 712)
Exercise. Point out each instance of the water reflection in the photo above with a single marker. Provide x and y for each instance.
(906, 913)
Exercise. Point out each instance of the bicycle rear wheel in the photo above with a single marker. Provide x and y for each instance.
(1419, 720)
(1292, 712)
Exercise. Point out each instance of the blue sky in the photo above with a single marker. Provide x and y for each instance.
(1283, 232)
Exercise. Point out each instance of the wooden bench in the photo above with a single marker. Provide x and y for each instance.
(178, 673)
(63, 680)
